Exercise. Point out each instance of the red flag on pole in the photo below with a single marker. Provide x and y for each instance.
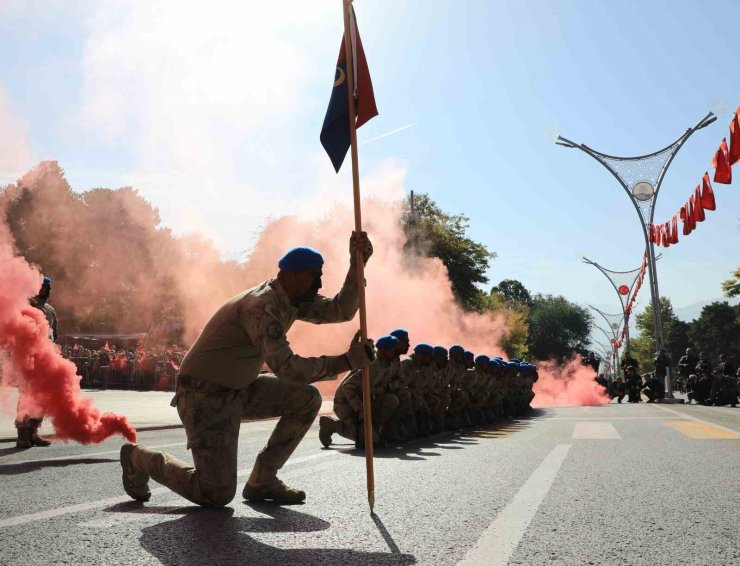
(721, 162)
(735, 140)
(707, 194)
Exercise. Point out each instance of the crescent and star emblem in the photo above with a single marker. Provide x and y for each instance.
(340, 78)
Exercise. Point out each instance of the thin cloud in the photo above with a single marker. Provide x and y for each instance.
(385, 135)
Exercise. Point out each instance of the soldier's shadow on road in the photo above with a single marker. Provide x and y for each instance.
(214, 536)
(418, 449)
(26, 467)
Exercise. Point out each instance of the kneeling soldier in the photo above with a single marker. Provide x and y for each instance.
(220, 384)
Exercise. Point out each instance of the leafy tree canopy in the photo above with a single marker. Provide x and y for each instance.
(436, 233)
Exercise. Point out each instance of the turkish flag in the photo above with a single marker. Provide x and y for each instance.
(707, 194)
(698, 208)
(691, 215)
(686, 223)
(723, 172)
(734, 140)
(674, 230)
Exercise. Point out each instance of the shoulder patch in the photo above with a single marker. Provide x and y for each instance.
(274, 330)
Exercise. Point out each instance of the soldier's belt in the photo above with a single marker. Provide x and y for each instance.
(190, 382)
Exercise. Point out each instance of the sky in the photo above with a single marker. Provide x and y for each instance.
(212, 110)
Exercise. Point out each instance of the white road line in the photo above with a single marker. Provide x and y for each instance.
(698, 420)
(79, 507)
(78, 456)
(590, 430)
(501, 538)
(600, 418)
(253, 428)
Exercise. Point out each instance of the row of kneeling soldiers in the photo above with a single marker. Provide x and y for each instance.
(433, 390)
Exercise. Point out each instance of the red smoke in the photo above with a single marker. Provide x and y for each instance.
(567, 386)
(34, 362)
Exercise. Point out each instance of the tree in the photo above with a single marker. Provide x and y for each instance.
(514, 342)
(557, 327)
(512, 290)
(731, 287)
(717, 331)
(433, 232)
(675, 335)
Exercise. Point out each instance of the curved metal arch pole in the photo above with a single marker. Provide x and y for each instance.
(619, 296)
(652, 272)
(614, 355)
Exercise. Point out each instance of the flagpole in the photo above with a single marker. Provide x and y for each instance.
(366, 399)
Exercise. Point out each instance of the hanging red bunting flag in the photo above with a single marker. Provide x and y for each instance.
(721, 162)
(707, 194)
(674, 230)
(691, 214)
(666, 235)
(734, 154)
(684, 219)
(698, 208)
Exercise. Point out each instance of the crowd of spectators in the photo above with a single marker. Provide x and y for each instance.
(117, 367)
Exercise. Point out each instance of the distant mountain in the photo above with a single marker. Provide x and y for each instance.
(693, 311)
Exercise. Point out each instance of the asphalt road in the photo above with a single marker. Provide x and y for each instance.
(620, 484)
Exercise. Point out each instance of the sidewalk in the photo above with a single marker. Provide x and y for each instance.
(146, 410)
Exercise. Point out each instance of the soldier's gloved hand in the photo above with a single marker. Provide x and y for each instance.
(361, 243)
(361, 352)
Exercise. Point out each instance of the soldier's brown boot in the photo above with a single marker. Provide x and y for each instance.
(24, 437)
(326, 429)
(135, 480)
(275, 491)
(36, 440)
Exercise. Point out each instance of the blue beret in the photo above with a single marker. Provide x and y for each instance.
(440, 350)
(423, 349)
(513, 365)
(469, 355)
(497, 358)
(517, 360)
(47, 281)
(400, 333)
(492, 363)
(457, 349)
(301, 259)
(482, 359)
(386, 342)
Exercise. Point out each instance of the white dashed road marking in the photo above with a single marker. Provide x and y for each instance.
(499, 541)
(591, 430)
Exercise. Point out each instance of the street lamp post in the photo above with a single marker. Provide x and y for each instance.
(641, 178)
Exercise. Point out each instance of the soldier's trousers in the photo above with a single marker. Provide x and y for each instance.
(458, 401)
(27, 416)
(383, 407)
(212, 416)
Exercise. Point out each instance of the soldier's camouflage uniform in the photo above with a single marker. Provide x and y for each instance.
(220, 384)
(348, 405)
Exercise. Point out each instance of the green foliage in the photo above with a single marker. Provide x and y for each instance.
(514, 291)
(731, 287)
(557, 327)
(717, 331)
(434, 232)
(517, 325)
(675, 335)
